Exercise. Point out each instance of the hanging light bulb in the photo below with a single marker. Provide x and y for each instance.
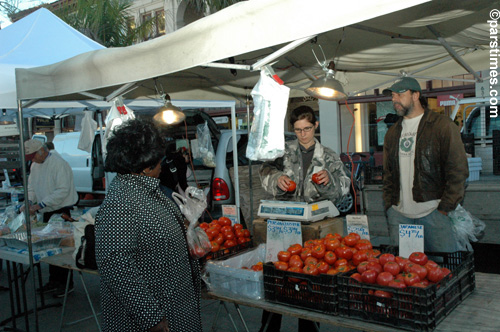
(168, 113)
(328, 87)
(6, 119)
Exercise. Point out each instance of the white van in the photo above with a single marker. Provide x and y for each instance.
(88, 168)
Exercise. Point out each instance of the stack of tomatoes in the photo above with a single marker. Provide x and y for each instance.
(223, 235)
(258, 267)
(395, 271)
(331, 255)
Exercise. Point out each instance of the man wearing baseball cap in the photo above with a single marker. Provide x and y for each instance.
(51, 190)
(425, 168)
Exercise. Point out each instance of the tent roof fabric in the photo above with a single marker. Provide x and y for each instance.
(38, 39)
(361, 36)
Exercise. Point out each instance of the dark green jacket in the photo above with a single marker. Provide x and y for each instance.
(441, 166)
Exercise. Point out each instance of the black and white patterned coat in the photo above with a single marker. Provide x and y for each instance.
(142, 257)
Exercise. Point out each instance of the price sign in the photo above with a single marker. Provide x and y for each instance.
(230, 212)
(280, 236)
(411, 239)
(358, 223)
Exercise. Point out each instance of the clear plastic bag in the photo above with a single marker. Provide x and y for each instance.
(205, 148)
(467, 227)
(192, 206)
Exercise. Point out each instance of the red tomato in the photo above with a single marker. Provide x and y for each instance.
(418, 258)
(330, 257)
(332, 271)
(343, 268)
(224, 221)
(246, 233)
(204, 226)
(226, 228)
(343, 252)
(363, 244)
(306, 252)
(295, 261)
(420, 284)
(257, 267)
(359, 256)
(292, 186)
(392, 267)
(331, 243)
(219, 239)
(238, 226)
(340, 262)
(350, 240)
(229, 235)
(381, 293)
(419, 270)
(369, 276)
(238, 233)
(295, 249)
(434, 274)
(315, 178)
(445, 271)
(323, 267)
(362, 267)
(309, 244)
(241, 240)
(311, 269)
(215, 246)
(397, 283)
(311, 260)
(230, 243)
(411, 278)
(212, 232)
(356, 276)
(284, 256)
(356, 235)
(401, 261)
(374, 266)
(295, 270)
(214, 224)
(319, 251)
(383, 278)
(384, 258)
(279, 265)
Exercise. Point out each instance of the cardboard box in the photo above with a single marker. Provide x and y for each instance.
(314, 230)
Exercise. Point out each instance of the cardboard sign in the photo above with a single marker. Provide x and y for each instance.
(231, 212)
(358, 223)
(411, 239)
(280, 236)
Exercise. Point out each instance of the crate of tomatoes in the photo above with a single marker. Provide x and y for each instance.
(413, 293)
(226, 239)
(305, 276)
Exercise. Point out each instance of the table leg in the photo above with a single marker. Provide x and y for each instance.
(25, 303)
(214, 324)
(11, 295)
(64, 301)
(230, 316)
(88, 298)
(241, 316)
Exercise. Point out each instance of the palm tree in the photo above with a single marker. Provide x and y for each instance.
(106, 21)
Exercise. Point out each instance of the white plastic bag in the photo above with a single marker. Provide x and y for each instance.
(205, 148)
(266, 140)
(192, 206)
(87, 135)
(467, 227)
(118, 114)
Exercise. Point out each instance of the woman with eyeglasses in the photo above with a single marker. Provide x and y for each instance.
(304, 158)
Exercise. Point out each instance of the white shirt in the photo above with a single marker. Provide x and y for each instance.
(407, 205)
(51, 182)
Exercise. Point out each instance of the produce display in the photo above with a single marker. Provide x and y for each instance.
(225, 237)
(329, 255)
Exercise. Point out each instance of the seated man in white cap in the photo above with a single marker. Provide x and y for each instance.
(50, 190)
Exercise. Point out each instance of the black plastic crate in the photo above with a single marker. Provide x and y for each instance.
(411, 308)
(226, 253)
(317, 293)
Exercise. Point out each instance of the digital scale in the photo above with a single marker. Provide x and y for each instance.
(297, 211)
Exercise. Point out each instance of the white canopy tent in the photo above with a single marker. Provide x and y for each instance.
(38, 39)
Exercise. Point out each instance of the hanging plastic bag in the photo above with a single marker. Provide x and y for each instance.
(205, 149)
(266, 140)
(467, 228)
(87, 135)
(192, 206)
(118, 114)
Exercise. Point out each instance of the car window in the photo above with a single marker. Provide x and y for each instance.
(473, 124)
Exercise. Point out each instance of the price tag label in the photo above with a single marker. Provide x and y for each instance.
(230, 212)
(280, 236)
(358, 223)
(411, 239)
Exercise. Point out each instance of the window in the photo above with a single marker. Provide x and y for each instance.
(160, 22)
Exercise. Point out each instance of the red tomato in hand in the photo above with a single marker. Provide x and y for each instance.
(315, 178)
(292, 186)
(284, 256)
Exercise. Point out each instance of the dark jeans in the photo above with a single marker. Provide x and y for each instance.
(275, 323)
(58, 274)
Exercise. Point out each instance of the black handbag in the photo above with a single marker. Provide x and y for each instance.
(85, 257)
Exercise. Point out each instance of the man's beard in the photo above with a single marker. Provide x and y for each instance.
(404, 111)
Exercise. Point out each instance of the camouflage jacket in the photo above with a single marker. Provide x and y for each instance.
(291, 165)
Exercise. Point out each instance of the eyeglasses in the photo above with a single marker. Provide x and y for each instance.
(306, 129)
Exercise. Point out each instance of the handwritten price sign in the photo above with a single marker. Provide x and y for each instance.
(358, 223)
(280, 236)
(411, 239)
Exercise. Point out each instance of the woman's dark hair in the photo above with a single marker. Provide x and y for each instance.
(133, 147)
(301, 113)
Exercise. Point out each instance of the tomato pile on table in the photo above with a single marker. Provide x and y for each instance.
(331, 255)
(223, 235)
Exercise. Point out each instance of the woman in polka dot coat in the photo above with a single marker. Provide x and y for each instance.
(148, 280)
